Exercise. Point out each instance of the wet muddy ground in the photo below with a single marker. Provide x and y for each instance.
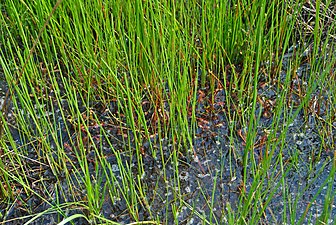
(215, 164)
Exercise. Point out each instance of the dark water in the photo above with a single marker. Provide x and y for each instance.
(210, 175)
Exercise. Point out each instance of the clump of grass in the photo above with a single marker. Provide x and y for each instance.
(78, 72)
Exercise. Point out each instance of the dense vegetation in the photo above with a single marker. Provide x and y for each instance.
(107, 103)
